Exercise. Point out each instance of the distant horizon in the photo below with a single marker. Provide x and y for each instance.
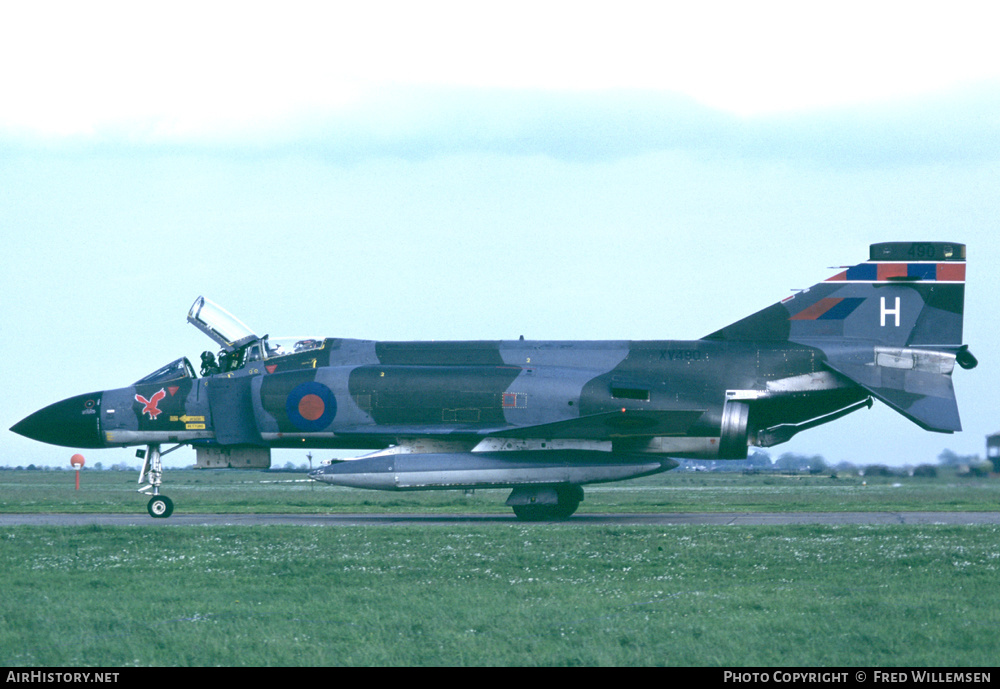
(684, 463)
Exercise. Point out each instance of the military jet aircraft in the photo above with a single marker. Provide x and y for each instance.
(546, 417)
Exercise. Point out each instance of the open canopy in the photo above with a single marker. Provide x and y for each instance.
(223, 327)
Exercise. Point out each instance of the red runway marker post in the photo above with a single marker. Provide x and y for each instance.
(77, 462)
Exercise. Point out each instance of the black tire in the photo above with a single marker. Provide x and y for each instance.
(533, 513)
(569, 499)
(160, 507)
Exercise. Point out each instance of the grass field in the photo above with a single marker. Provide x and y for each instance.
(498, 594)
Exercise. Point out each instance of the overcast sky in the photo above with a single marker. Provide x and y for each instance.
(478, 171)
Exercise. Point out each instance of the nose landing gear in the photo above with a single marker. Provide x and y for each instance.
(159, 506)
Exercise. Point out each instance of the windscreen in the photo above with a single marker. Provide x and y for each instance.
(175, 370)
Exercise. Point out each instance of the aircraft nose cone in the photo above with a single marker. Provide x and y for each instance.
(73, 422)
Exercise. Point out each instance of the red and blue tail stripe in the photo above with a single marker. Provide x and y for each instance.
(829, 309)
(910, 272)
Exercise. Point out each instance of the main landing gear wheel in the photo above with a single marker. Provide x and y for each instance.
(160, 507)
(568, 499)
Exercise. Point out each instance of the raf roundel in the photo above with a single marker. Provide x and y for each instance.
(311, 407)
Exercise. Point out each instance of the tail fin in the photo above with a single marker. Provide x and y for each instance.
(907, 294)
(892, 325)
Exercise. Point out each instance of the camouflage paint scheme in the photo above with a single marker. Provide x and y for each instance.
(545, 417)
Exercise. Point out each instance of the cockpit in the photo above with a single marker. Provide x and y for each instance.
(239, 346)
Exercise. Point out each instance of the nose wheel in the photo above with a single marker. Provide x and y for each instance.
(160, 507)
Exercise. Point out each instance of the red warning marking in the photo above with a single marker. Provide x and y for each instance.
(514, 400)
(173, 390)
(271, 368)
(311, 407)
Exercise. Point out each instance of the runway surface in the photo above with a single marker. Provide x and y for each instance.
(720, 519)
